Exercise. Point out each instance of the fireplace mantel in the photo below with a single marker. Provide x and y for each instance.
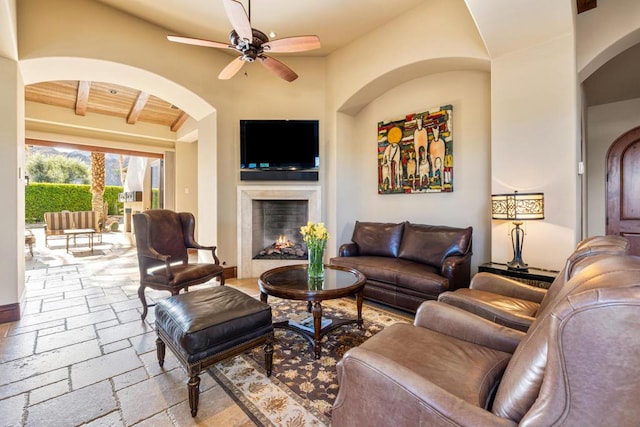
(247, 266)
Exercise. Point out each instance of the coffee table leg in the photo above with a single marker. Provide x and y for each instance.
(359, 298)
(317, 327)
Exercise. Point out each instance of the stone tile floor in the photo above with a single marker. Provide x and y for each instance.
(81, 355)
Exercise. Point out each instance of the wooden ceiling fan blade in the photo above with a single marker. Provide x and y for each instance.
(231, 69)
(293, 44)
(278, 68)
(199, 42)
(238, 18)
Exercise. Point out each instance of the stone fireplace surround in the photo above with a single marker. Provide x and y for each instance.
(247, 266)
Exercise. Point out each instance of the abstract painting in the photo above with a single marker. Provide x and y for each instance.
(415, 154)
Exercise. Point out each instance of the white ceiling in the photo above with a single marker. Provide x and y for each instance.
(336, 22)
(507, 25)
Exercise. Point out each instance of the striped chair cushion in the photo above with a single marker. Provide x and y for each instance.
(57, 222)
(85, 219)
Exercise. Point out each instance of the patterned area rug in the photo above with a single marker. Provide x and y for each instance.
(301, 389)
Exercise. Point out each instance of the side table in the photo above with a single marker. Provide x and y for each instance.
(531, 276)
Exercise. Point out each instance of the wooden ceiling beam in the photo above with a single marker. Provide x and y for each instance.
(137, 108)
(82, 97)
(179, 121)
(584, 5)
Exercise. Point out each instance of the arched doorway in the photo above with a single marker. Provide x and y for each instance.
(623, 188)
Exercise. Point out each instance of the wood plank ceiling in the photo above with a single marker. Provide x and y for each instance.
(113, 100)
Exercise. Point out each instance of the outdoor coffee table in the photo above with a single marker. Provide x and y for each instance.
(291, 282)
(75, 232)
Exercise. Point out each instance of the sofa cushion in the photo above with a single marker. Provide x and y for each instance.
(431, 244)
(442, 360)
(377, 238)
(409, 275)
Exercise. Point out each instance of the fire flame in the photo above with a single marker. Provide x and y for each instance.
(283, 242)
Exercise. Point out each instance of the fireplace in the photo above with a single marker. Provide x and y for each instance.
(287, 208)
(276, 228)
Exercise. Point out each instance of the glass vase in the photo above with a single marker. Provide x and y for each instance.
(316, 267)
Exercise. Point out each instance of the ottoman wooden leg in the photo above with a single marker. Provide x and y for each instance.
(268, 355)
(160, 349)
(194, 393)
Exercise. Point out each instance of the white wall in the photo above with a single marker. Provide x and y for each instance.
(186, 183)
(11, 176)
(468, 205)
(604, 32)
(261, 95)
(605, 123)
(534, 146)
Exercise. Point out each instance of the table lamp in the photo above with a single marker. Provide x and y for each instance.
(517, 207)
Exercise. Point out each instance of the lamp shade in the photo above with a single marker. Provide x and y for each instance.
(517, 206)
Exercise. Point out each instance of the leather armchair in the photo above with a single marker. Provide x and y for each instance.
(576, 365)
(516, 304)
(162, 240)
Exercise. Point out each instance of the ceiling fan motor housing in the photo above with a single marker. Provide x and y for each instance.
(252, 49)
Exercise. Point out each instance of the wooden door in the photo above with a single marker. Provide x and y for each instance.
(623, 188)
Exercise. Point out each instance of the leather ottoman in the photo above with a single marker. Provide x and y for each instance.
(206, 326)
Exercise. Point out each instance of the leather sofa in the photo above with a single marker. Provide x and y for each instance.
(406, 264)
(516, 304)
(576, 364)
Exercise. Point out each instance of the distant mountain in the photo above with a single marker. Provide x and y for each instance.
(112, 165)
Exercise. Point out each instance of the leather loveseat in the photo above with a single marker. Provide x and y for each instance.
(406, 264)
(576, 364)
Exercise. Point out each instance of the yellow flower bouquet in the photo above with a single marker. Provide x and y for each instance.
(315, 236)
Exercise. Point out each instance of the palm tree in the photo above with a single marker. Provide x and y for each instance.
(97, 185)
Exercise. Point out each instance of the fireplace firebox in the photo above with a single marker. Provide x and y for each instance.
(276, 228)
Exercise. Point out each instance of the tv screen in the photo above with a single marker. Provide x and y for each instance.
(279, 144)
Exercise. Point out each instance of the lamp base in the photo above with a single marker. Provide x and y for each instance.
(517, 240)
(517, 265)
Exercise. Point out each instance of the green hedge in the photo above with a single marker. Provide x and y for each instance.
(43, 197)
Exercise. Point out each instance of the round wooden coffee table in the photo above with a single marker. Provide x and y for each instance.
(291, 282)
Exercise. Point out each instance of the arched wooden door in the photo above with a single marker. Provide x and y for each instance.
(623, 188)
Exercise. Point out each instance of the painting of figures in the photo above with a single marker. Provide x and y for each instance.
(415, 154)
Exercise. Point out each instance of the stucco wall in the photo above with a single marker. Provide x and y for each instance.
(605, 124)
(186, 183)
(604, 32)
(11, 175)
(469, 93)
(534, 147)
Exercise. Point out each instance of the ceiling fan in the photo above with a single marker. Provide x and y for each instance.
(252, 44)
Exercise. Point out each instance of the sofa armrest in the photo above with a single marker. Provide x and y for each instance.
(367, 379)
(457, 269)
(348, 249)
(501, 285)
(458, 323)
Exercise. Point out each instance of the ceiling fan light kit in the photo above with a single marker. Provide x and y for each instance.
(252, 44)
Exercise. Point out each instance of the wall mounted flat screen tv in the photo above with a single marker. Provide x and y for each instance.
(279, 144)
